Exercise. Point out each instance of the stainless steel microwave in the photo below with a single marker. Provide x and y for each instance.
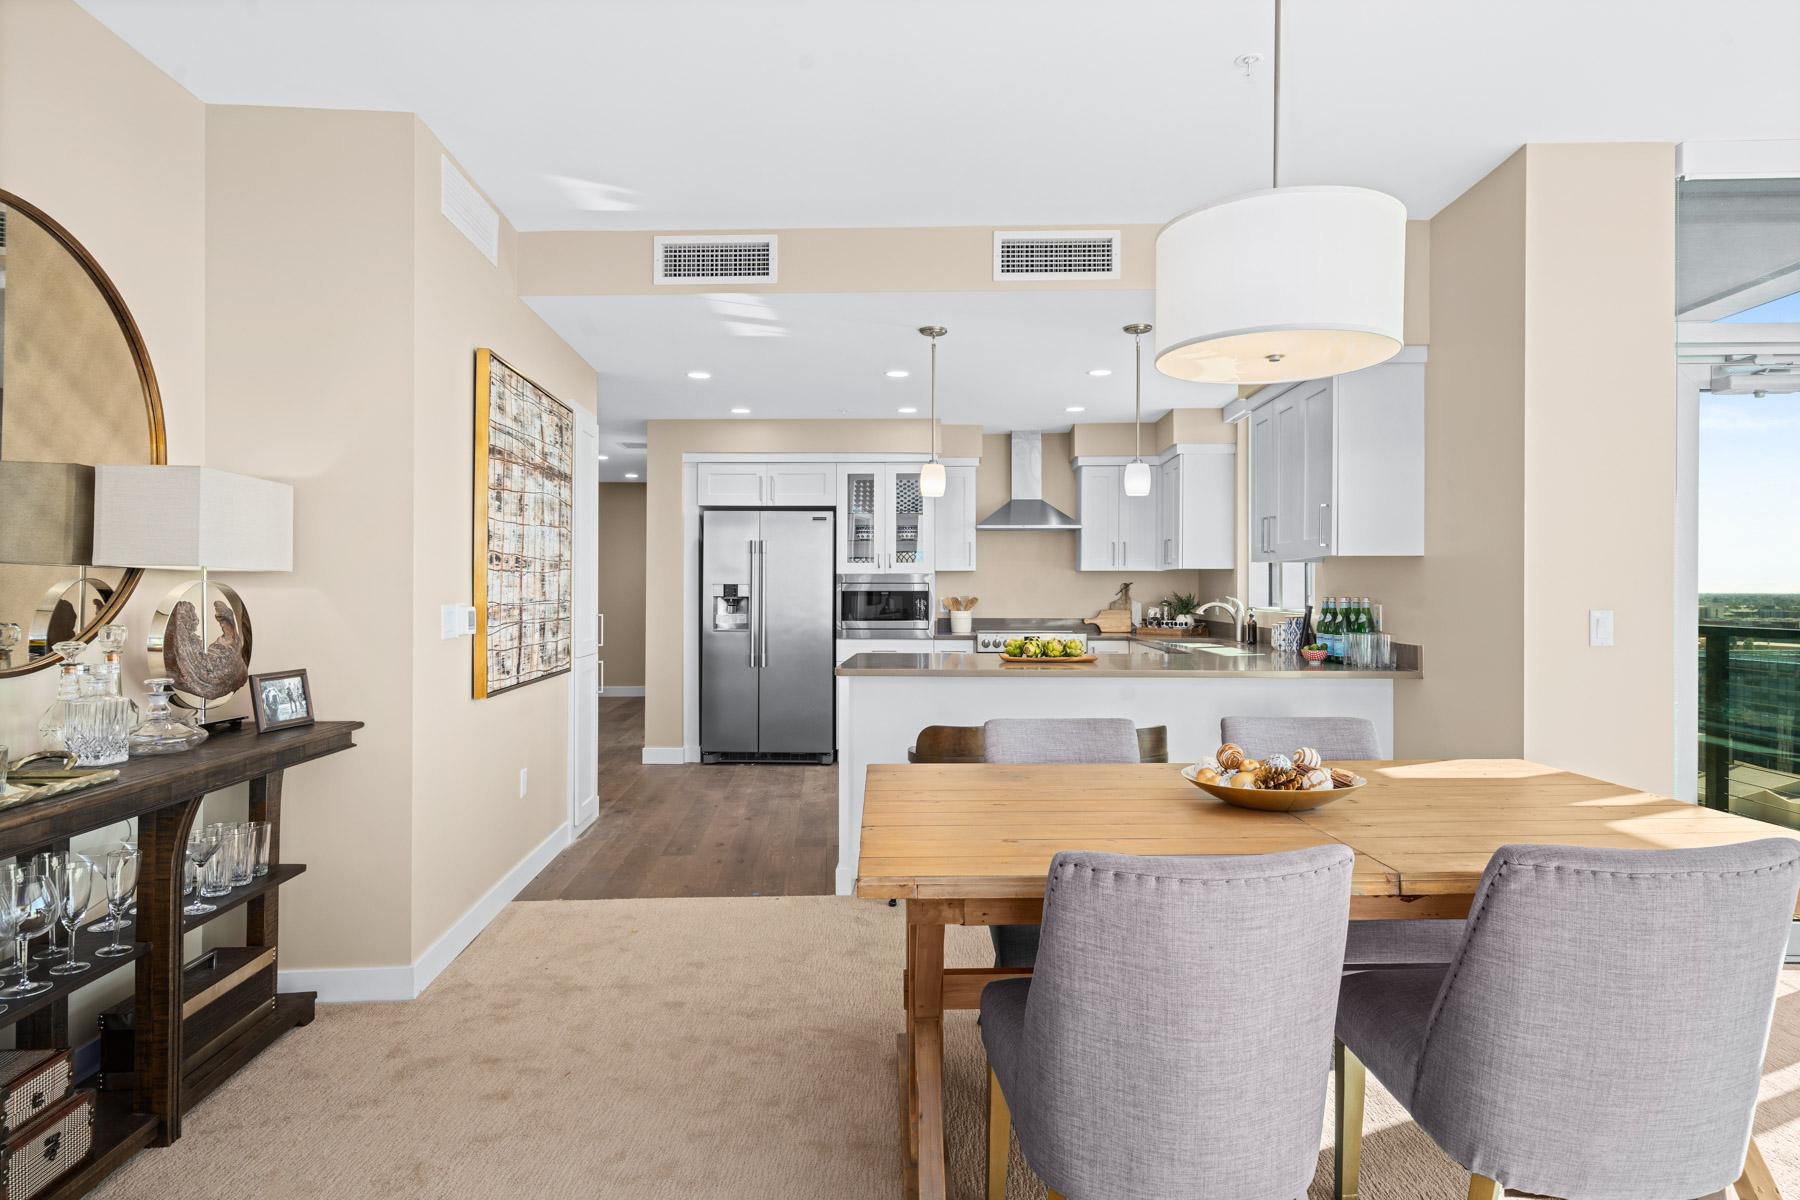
(884, 606)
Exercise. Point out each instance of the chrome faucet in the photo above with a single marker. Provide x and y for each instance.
(1234, 607)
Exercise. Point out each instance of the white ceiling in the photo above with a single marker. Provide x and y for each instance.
(730, 114)
(1011, 360)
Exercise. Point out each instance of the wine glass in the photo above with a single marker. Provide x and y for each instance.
(48, 867)
(121, 885)
(202, 844)
(74, 896)
(30, 913)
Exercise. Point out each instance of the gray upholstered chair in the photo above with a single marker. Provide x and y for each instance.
(1050, 740)
(1371, 943)
(1599, 1034)
(1174, 1038)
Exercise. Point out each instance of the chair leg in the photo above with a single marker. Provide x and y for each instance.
(1756, 1183)
(999, 1141)
(1352, 1081)
(1483, 1188)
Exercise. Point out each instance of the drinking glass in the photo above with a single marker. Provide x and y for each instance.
(121, 885)
(217, 876)
(243, 866)
(74, 895)
(202, 844)
(261, 840)
(124, 838)
(48, 867)
(30, 913)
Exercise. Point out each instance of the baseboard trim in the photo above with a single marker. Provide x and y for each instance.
(623, 690)
(349, 985)
(664, 756)
(846, 880)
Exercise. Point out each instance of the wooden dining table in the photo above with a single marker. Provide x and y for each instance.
(969, 844)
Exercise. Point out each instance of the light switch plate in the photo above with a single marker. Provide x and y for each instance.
(1600, 626)
(456, 620)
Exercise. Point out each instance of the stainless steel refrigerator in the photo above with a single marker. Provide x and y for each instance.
(767, 683)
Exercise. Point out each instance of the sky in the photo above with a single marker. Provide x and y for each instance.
(1749, 493)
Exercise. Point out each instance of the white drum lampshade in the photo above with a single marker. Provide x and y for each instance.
(1281, 284)
(186, 517)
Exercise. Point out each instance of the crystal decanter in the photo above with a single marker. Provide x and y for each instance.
(99, 723)
(53, 728)
(161, 731)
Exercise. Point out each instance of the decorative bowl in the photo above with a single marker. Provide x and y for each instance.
(1314, 656)
(1272, 800)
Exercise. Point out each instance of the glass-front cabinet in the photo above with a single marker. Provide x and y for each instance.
(884, 524)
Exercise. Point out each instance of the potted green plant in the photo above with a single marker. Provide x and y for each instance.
(1184, 608)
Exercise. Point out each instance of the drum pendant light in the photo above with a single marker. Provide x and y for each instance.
(931, 475)
(1137, 471)
(1281, 284)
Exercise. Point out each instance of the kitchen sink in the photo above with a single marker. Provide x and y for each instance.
(1222, 651)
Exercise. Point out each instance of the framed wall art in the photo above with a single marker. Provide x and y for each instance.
(524, 509)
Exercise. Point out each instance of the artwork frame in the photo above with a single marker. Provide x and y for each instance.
(522, 547)
(271, 700)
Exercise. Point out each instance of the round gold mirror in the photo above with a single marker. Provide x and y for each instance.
(76, 391)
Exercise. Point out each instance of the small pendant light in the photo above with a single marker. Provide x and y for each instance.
(1137, 471)
(1281, 284)
(931, 475)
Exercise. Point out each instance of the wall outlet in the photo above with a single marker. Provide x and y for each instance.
(1600, 626)
(524, 781)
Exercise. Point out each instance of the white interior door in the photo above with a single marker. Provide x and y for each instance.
(584, 678)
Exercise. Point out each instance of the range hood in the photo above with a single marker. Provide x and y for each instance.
(1027, 509)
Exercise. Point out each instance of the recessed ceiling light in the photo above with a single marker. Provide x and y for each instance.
(631, 474)
(741, 411)
(909, 409)
(898, 374)
(1099, 371)
(699, 374)
(1075, 408)
(604, 457)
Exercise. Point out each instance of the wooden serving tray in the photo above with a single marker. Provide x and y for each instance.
(1049, 662)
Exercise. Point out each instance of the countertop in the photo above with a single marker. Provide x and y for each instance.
(1145, 664)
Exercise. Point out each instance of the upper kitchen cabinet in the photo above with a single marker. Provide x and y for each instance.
(1118, 532)
(1186, 523)
(767, 485)
(1337, 466)
(1196, 500)
(884, 523)
(954, 521)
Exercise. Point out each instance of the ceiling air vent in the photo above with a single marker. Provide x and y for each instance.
(1043, 254)
(719, 258)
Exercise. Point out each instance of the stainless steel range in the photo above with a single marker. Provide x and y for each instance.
(993, 641)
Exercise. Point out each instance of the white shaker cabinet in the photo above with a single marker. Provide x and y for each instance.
(1337, 466)
(884, 525)
(1139, 525)
(954, 521)
(1197, 506)
(1099, 494)
(766, 485)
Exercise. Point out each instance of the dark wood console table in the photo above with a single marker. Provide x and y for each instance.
(163, 793)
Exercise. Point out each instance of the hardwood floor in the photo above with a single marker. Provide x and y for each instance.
(695, 830)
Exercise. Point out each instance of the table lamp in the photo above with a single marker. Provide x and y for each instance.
(186, 518)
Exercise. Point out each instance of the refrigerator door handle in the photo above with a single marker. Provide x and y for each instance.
(755, 599)
(760, 616)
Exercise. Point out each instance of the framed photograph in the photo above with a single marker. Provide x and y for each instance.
(524, 506)
(281, 700)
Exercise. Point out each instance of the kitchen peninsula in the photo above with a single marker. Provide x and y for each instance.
(885, 699)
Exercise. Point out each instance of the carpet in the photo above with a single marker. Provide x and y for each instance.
(655, 1049)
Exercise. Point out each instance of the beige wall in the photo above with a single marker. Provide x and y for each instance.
(622, 592)
(1461, 600)
(310, 362)
(1033, 574)
(1550, 471)
(1600, 459)
(469, 825)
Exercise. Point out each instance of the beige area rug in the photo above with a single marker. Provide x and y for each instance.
(737, 1048)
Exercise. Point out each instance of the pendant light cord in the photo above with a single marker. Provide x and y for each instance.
(934, 429)
(1137, 404)
(1275, 141)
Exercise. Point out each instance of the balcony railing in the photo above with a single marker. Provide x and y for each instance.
(1750, 720)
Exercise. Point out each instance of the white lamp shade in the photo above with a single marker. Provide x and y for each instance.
(1137, 478)
(186, 517)
(1281, 284)
(931, 480)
